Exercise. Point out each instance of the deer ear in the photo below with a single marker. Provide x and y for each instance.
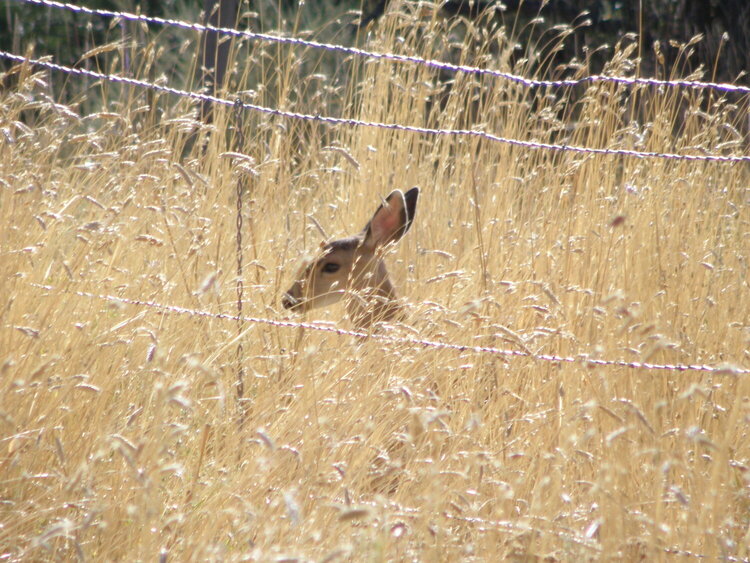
(391, 220)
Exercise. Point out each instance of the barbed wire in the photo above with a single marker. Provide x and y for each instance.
(329, 120)
(393, 57)
(424, 343)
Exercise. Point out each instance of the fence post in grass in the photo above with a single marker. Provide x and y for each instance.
(215, 52)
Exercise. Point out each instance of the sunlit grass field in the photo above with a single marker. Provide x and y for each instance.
(122, 437)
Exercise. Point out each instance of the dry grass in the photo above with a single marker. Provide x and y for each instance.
(120, 428)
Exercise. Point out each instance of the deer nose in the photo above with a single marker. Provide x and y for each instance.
(288, 301)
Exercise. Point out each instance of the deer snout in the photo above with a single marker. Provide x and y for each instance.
(289, 301)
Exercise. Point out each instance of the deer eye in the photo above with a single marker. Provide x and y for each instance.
(330, 267)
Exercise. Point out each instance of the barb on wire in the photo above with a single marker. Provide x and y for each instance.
(328, 120)
(424, 343)
(393, 57)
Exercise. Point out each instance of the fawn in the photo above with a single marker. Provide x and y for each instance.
(353, 267)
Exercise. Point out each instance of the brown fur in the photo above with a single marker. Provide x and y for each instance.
(353, 268)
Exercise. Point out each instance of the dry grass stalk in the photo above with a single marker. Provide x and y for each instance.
(356, 448)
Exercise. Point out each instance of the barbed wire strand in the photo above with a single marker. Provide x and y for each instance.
(328, 120)
(393, 57)
(435, 344)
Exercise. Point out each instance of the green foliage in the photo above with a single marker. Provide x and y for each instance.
(562, 36)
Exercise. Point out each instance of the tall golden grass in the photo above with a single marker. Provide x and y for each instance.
(121, 434)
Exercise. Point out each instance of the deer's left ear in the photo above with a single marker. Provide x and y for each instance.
(392, 219)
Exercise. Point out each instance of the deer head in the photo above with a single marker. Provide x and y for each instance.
(353, 269)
